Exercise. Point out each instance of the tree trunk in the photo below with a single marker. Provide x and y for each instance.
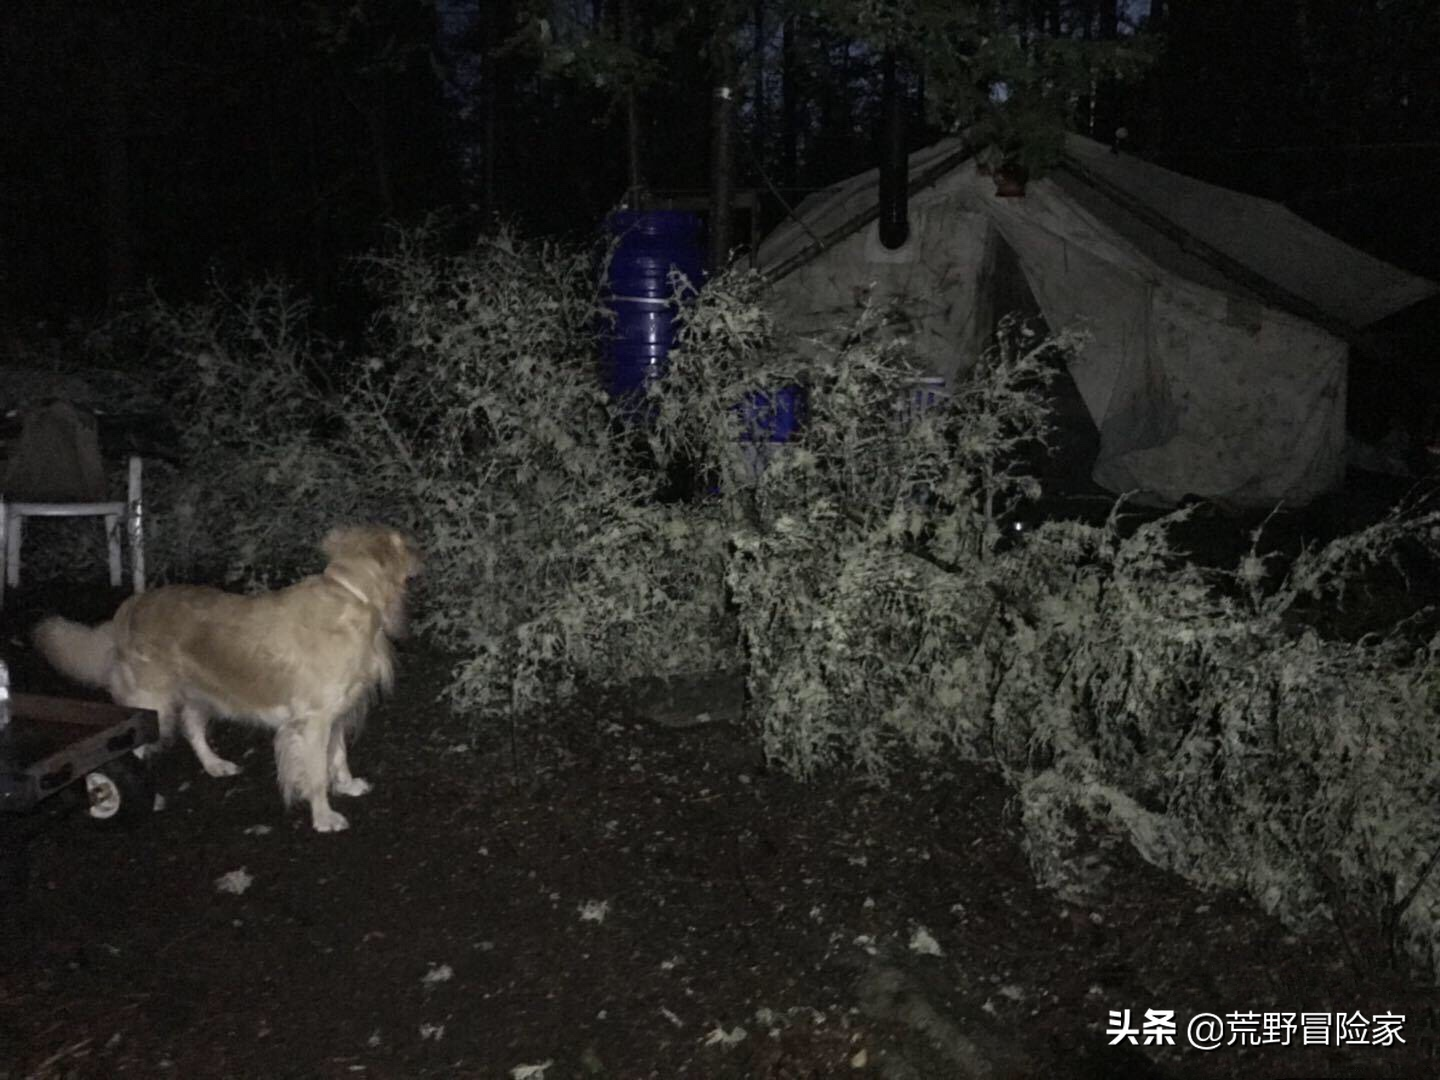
(1109, 20)
(117, 74)
(630, 103)
(377, 122)
(489, 110)
(1106, 107)
(761, 127)
(789, 107)
(321, 248)
(722, 145)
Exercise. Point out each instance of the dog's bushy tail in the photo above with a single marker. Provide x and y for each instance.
(84, 653)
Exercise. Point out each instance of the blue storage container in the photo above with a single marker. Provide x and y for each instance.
(768, 418)
(639, 292)
(771, 416)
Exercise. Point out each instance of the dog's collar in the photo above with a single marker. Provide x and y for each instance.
(339, 579)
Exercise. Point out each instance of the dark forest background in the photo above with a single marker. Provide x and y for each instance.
(158, 140)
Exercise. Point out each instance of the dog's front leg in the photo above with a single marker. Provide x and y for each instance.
(301, 747)
(341, 782)
(195, 720)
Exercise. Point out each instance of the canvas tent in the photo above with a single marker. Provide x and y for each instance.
(1219, 323)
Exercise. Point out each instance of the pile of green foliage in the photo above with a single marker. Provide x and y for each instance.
(863, 572)
(1123, 690)
(472, 416)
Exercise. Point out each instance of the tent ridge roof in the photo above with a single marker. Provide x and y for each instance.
(1228, 266)
(928, 177)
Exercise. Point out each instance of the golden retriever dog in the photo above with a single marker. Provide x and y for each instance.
(305, 661)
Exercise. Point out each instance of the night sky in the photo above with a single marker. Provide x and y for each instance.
(163, 140)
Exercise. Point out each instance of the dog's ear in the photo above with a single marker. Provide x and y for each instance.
(406, 551)
(387, 546)
(349, 541)
(337, 540)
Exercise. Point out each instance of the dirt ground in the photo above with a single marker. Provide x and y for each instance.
(605, 895)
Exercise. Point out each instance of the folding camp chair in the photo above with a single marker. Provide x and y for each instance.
(56, 472)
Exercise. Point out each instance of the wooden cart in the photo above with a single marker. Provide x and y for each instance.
(53, 749)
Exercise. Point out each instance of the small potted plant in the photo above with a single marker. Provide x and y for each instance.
(1019, 144)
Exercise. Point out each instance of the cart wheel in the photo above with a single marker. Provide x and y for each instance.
(120, 793)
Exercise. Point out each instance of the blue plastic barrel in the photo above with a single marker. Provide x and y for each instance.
(639, 292)
(772, 417)
(767, 419)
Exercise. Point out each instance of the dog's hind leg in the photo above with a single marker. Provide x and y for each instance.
(301, 747)
(341, 782)
(164, 710)
(195, 720)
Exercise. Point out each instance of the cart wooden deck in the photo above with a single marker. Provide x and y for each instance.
(52, 742)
